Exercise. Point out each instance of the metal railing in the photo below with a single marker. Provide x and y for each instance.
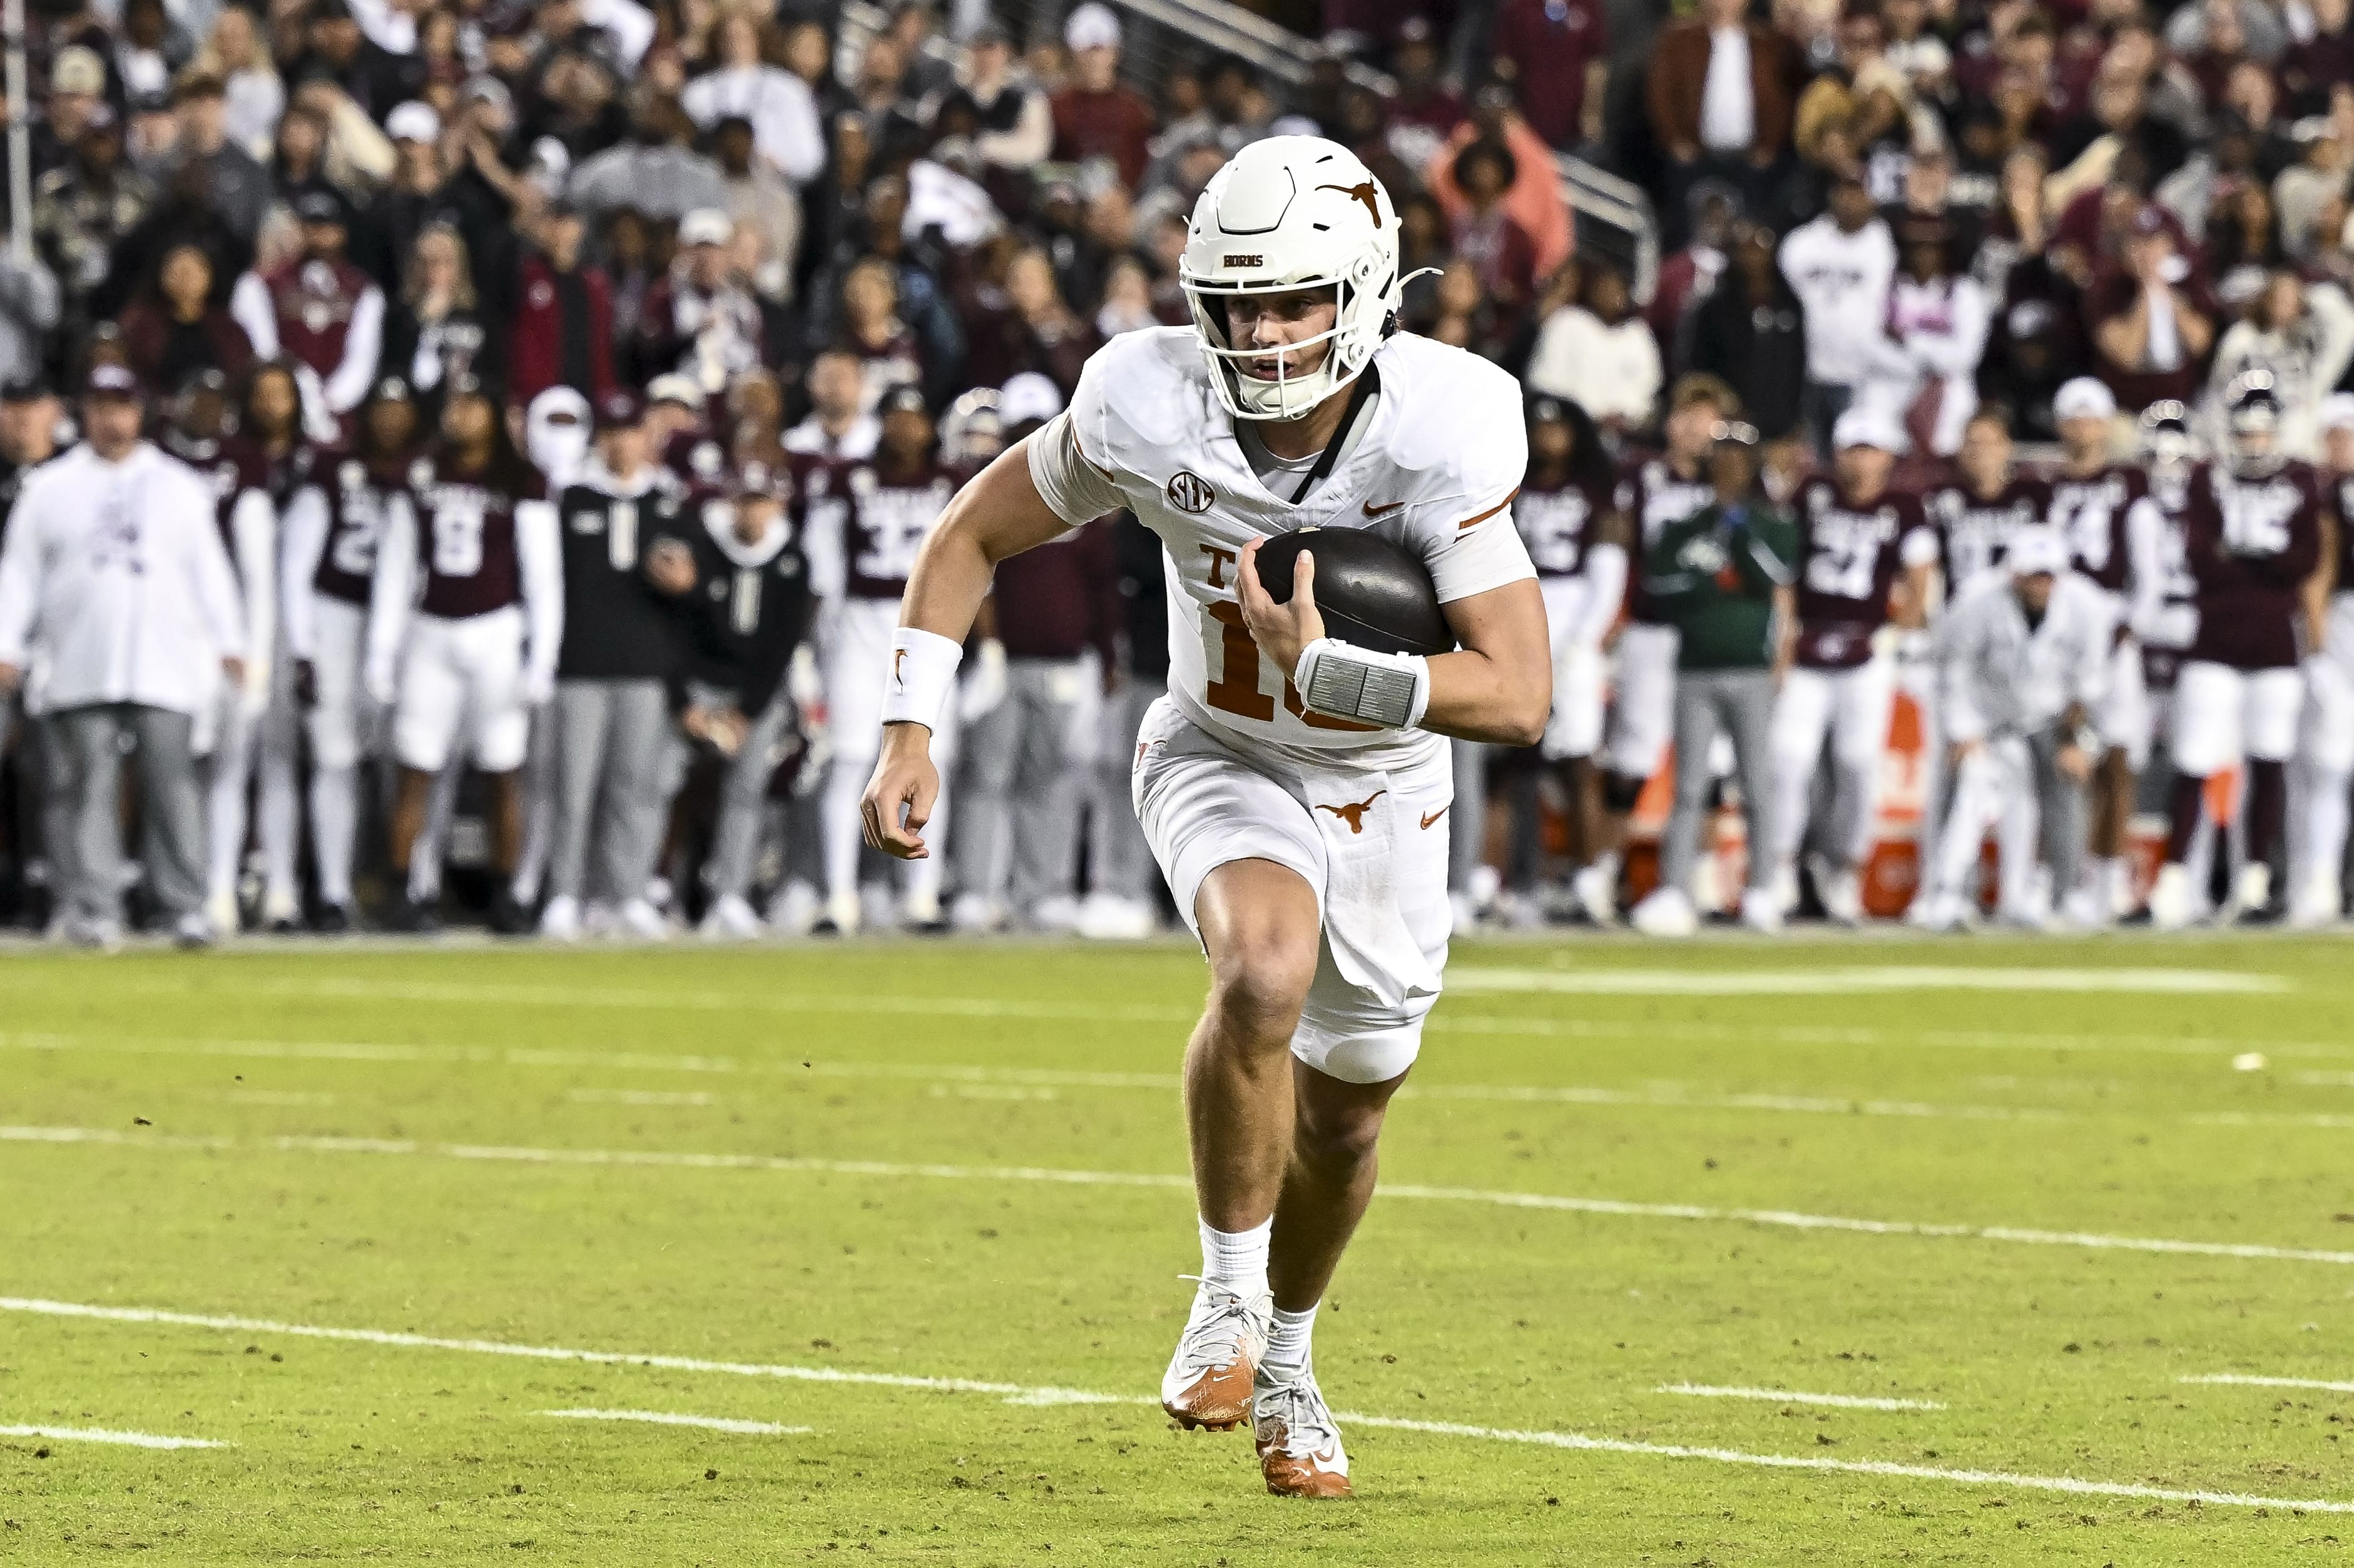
(1612, 215)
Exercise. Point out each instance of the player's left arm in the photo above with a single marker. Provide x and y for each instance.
(1498, 686)
(2313, 593)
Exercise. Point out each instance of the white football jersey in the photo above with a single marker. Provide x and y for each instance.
(1436, 470)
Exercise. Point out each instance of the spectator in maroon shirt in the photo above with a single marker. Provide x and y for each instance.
(177, 329)
(1556, 53)
(563, 315)
(2310, 70)
(2152, 321)
(1096, 116)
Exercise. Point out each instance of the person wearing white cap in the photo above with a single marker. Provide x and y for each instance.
(2091, 496)
(2254, 537)
(1095, 116)
(1861, 547)
(701, 320)
(2317, 893)
(2022, 656)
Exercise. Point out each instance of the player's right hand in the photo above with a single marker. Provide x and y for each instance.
(899, 797)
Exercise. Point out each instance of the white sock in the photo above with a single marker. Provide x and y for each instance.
(1287, 1342)
(335, 823)
(1236, 1260)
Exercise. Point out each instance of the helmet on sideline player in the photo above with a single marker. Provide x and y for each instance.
(1289, 213)
(2255, 414)
(972, 430)
(2165, 438)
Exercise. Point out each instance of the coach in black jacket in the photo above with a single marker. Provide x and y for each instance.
(626, 557)
(751, 609)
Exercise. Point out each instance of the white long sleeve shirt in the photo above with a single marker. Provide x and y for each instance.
(1998, 676)
(1842, 279)
(115, 585)
(780, 107)
(1606, 370)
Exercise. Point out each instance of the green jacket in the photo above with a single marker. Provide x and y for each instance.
(1713, 577)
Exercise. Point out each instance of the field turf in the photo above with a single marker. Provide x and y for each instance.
(364, 1218)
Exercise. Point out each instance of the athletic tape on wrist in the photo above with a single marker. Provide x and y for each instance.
(922, 677)
(1341, 680)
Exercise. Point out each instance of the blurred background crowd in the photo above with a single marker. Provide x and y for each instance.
(560, 371)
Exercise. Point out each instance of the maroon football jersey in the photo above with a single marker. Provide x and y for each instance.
(231, 468)
(884, 521)
(1651, 495)
(2090, 516)
(1975, 533)
(358, 495)
(2164, 645)
(466, 539)
(2252, 543)
(1558, 526)
(1850, 559)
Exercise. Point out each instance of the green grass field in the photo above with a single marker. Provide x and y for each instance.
(364, 1218)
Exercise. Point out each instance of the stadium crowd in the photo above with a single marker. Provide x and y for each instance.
(564, 390)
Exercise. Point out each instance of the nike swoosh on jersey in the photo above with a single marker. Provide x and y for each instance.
(1373, 510)
(1438, 813)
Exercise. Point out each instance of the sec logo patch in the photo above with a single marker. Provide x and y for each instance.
(1189, 492)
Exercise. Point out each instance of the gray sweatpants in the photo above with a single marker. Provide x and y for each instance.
(1468, 842)
(1020, 839)
(1121, 857)
(173, 834)
(1739, 704)
(612, 747)
(744, 798)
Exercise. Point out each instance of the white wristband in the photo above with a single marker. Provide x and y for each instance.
(1341, 680)
(922, 677)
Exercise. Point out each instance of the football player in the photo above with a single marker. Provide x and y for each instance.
(2253, 528)
(1862, 547)
(2163, 612)
(1568, 518)
(1659, 491)
(254, 723)
(467, 610)
(2090, 498)
(1295, 788)
(1986, 503)
(868, 521)
(333, 530)
(2317, 895)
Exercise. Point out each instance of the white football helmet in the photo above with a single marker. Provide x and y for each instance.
(1291, 212)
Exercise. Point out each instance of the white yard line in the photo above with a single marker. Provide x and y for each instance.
(1619, 980)
(640, 1096)
(1787, 1396)
(667, 1418)
(100, 1435)
(1019, 1394)
(2320, 1386)
(1621, 1208)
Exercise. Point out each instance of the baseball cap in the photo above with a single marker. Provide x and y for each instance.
(907, 398)
(78, 69)
(706, 225)
(2084, 398)
(1027, 396)
(675, 387)
(1091, 27)
(619, 409)
(108, 379)
(2036, 551)
(320, 206)
(2337, 412)
(1867, 428)
(413, 121)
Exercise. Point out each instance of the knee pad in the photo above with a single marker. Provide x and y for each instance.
(1620, 791)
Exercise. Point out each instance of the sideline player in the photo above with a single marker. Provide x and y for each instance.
(1296, 789)
(2255, 541)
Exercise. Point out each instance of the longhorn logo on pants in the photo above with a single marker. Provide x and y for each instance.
(1355, 815)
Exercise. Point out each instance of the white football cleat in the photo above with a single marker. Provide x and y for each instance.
(2251, 892)
(1057, 913)
(1667, 912)
(560, 921)
(2319, 904)
(641, 920)
(2086, 908)
(1109, 918)
(1761, 910)
(1596, 888)
(795, 910)
(195, 930)
(975, 915)
(2170, 905)
(1940, 912)
(220, 914)
(1299, 1450)
(843, 914)
(1842, 894)
(730, 919)
(1208, 1383)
